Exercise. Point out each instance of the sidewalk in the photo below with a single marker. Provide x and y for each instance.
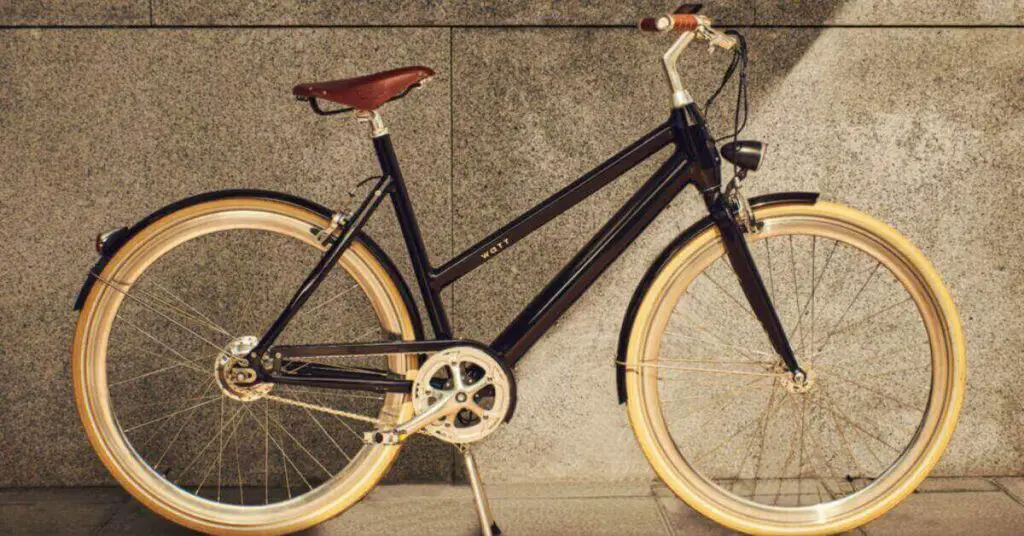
(988, 506)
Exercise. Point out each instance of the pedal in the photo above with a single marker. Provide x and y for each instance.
(382, 437)
(488, 527)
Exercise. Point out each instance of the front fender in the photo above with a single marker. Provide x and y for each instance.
(670, 251)
(118, 238)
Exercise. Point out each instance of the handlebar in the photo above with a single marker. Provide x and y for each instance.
(670, 22)
(699, 25)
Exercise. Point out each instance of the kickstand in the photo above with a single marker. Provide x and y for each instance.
(487, 525)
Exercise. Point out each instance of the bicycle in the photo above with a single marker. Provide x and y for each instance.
(838, 372)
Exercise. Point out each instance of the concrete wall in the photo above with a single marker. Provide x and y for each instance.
(911, 111)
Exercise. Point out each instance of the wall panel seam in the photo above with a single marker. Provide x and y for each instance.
(154, 26)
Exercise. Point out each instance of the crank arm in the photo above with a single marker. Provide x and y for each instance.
(447, 405)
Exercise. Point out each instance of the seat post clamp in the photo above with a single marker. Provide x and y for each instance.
(377, 128)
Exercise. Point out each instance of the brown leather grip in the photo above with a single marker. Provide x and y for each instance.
(665, 23)
(685, 23)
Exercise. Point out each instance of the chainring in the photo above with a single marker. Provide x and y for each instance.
(479, 380)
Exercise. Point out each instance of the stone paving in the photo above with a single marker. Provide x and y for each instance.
(990, 506)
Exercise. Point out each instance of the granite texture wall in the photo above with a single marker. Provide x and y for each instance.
(911, 111)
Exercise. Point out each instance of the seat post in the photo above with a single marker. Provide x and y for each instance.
(377, 128)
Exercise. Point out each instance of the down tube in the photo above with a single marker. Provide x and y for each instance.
(599, 253)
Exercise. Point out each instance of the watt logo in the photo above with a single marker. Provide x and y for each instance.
(495, 249)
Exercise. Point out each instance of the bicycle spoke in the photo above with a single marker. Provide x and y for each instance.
(216, 462)
(862, 321)
(833, 406)
(303, 448)
(147, 374)
(266, 453)
(210, 442)
(188, 421)
(741, 429)
(771, 271)
(184, 360)
(712, 361)
(728, 294)
(725, 403)
(796, 287)
(878, 393)
(714, 396)
(339, 419)
(283, 453)
(815, 282)
(165, 417)
(238, 469)
(888, 372)
(770, 356)
(854, 300)
(166, 402)
(220, 452)
(860, 428)
(335, 297)
(746, 353)
(713, 313)
(875, 359)
(128, 294)
(800, 463)
(821, 451)
(846, 442)
(764, 430)
(193, 309)
(329, 436)
(708, 370)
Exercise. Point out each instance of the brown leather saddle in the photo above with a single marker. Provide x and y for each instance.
(365, 93)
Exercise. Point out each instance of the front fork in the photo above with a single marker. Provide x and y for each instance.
(724, 216)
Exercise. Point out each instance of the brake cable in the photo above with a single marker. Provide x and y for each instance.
(739, 61)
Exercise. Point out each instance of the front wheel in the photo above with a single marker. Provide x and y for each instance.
(152, 354)
(721, 419)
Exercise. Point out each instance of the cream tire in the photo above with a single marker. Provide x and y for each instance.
(948, 375)
(91, 390)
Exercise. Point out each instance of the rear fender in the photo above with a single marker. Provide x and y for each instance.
(111, 242)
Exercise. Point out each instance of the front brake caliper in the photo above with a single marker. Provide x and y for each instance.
(740, 208)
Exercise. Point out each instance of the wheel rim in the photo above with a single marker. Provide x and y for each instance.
(750, 499)
(132, 463)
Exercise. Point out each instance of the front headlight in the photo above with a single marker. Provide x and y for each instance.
(746, 154)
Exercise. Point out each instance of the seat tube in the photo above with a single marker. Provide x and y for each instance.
(413, 238)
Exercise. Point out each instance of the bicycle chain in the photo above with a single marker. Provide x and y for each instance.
(331, 411)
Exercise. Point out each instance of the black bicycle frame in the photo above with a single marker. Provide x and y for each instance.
(695, 160)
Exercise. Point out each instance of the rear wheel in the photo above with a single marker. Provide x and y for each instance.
(182, 299)
(719, 416)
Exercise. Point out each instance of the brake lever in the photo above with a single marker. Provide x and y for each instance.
(716, 39)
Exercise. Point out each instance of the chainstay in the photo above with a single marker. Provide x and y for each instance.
(332, 411)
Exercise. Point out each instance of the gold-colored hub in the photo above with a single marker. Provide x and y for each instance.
(800, 386)
(793, 384)
(235, 378)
